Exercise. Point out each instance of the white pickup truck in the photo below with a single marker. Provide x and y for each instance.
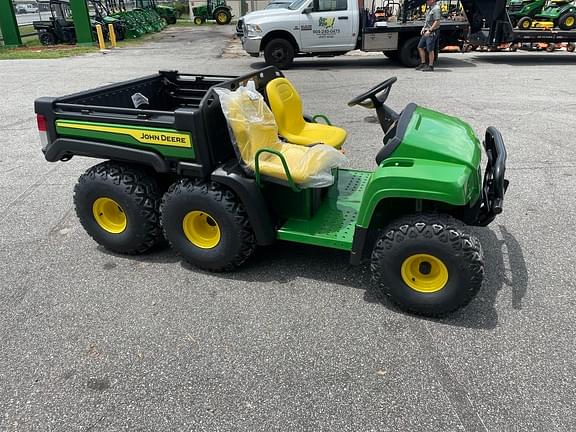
(334, 27)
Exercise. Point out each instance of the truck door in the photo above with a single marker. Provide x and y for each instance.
(328, 26)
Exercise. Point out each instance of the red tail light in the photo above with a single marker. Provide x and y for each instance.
(41, 120)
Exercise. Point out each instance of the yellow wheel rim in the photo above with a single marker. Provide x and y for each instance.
(201, 229)
(424, 273)
(109, 215)
(569, 21)
(221, 17)
(526, 25)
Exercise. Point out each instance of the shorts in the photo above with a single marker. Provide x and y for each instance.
(428, 42)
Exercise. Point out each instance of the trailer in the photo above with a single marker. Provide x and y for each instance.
(491, 26)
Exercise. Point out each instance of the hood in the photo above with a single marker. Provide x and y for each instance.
(257, 15)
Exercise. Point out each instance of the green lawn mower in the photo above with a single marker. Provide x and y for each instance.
(197, 160)
(556, 13)
(168, 13)
(216, 10)
(524, 11)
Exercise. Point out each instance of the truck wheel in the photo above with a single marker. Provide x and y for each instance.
(525, 23)
(567, 21)
(118, 206)
(207, 225)
(47, 38)
(408, 53)
(570, 47)
(428, 264)
(279, 53)
(551, 47)
(223, 16)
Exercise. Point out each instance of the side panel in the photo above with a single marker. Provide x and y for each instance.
(167, 142)
(453, 184)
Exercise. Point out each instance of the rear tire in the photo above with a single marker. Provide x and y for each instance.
(570, 47)
(567, 21)
(223, 16)
(279, 53)
(118, 206)
(428, 264)
(207, 225)
(408, 52)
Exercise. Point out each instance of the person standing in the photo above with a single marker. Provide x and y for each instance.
(429, 36)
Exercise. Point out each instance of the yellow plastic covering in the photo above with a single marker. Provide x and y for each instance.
(253, 127)
(286, 105)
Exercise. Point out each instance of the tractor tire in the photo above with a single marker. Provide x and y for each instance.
(47, 38)
(428, 264)
(392, 55)
(118, 206)
(171, 20)
(199, 20)
(567, 21)
(222, 16)
(408, 53)
(207, 225)
(525, 23)
(279, 53)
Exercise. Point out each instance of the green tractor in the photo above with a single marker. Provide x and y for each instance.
(556, 13)
(197, 159)
(518, 10)
(216, 10)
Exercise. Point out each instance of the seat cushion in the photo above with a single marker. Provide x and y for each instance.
(317, 133)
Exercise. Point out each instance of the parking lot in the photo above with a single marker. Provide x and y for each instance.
(297, 339)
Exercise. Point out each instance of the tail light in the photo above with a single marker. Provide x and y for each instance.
(41, 120)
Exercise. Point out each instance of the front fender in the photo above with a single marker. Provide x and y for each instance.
(419, 179)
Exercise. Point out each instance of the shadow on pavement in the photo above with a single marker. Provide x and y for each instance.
(372, 62)
(286, 262)
(513, 59)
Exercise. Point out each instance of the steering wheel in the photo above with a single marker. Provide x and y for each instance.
(370, 99)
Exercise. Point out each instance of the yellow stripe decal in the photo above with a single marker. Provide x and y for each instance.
(173, 139)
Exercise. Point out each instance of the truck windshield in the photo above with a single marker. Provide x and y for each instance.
(297, 4)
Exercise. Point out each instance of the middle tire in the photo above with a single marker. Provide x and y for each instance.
(207, 225)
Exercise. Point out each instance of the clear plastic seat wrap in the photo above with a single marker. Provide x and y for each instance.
(255, 136)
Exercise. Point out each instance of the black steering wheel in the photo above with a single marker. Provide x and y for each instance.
(370, 99)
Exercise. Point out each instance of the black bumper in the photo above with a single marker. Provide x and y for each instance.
(495, 183)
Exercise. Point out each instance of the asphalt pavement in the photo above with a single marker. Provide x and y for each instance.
(297, 339)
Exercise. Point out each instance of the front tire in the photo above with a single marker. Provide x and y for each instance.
(279, 53)
(47, 38)
(525, 23)
(118, 206)
(428, 264)
(199, 20)
(207, 225)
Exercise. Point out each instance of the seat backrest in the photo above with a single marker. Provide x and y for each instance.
(251, 121)
(286, 105)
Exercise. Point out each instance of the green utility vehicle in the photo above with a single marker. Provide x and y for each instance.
(178, 168)
(518, 10)
(216, 10)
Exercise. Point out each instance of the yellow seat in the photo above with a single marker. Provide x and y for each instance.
(254, 130)
(286, 105)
